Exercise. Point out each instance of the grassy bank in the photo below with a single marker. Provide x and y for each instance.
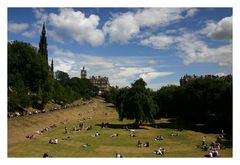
(94, 114)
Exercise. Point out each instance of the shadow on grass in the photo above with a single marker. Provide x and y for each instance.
(121, 126)
(111, 106)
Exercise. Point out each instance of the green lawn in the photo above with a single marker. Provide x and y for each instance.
(95, 113)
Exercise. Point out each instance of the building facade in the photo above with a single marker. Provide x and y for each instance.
(101, 82)
(83, 73)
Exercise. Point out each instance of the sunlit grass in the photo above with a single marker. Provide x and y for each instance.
(95, 113)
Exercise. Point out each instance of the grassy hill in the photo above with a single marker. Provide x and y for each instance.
(184, 145)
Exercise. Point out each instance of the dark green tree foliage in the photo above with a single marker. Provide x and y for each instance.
(166, 99)
(27, 73)
(111, 95)
(136, 103)
(63, 77)
(31, 84)
(205, 100)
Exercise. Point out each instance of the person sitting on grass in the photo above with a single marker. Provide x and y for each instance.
(118, 155)
(203, 140)
(132, 134)
(205, 147)
(146, 144)
(89, 128)
(213, 153)
(51, 141)
(139, 144)
(97, 134)
(45, 155)
(65, 130)
(160, 151)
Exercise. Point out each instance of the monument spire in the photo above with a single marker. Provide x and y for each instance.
(43, 43)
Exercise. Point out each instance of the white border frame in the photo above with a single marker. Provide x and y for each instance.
(235, 4)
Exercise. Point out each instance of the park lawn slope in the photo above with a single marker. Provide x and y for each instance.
(94, 113)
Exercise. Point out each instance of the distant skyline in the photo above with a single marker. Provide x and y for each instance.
(159, 45)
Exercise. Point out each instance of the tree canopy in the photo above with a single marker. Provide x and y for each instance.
(136, 103)
(30, 83)
(203, 100)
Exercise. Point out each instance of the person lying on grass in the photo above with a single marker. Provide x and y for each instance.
(174, 134)
(86, 145)
(159, 137)
(114, 135)
(53, 141)
(67, 138)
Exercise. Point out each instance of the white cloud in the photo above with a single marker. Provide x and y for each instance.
(17, 27)
(119, 73)
(132, 72)
(195, 50)
(152, 75)
(219, 30)
(29, 34)
(158, 16)
(191, 12)
(76, 26)
(158, 42)
(156, 86)
(220, 74)
(153, 62)
(123, 27)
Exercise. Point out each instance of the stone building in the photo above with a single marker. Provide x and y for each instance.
(101, 82)
(83, 73)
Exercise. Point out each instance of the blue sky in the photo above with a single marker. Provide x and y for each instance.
(157, 44)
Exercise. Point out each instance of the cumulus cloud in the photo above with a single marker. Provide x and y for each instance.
(75, 25)
(220, 74)
(17, 27)
(123, 27)
(192, 48)
(195, 50)
(152, 75)
(158, 42)
(29, 34)
(219, 30)
(119, 73)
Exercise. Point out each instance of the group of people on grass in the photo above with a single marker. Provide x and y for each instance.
(214, 147)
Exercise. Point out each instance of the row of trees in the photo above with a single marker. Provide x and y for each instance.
(30, 83)
(203, 100)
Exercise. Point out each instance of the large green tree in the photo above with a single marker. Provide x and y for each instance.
(136, 103)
